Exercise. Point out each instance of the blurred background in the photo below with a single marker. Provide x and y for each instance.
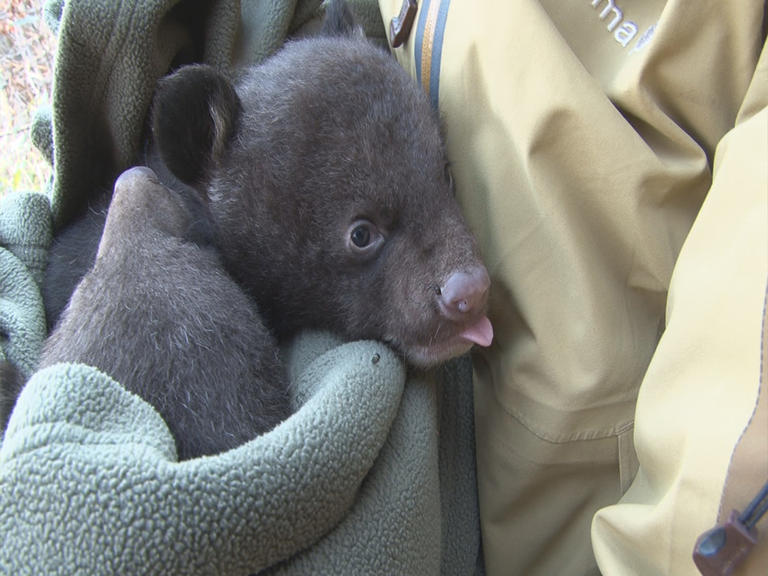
(27, 47)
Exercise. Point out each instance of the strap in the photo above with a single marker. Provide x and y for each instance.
(429, 45)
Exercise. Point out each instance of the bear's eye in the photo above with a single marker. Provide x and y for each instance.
(361, 236)
(364, 238)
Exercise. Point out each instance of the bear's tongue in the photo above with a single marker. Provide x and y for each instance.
(481, 332)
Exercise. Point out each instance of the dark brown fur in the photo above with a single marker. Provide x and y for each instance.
(11, 382)
(159, 314)
(327, 134)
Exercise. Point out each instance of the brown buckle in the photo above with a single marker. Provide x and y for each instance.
(400, 26)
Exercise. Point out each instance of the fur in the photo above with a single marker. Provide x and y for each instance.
(71, 255)
(158, 313)
(11, 383)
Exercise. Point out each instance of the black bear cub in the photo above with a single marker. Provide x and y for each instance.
(321, 179)
(325, 175)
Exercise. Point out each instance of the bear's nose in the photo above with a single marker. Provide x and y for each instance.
(465, 293)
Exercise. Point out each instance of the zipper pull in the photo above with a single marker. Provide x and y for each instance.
(720, 550)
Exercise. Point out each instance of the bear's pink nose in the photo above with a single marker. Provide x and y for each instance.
(465, 294)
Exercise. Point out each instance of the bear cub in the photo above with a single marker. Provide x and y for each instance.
(325, 175)
(319, 193)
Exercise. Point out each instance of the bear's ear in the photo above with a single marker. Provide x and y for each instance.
(339, 20)
(194, 116)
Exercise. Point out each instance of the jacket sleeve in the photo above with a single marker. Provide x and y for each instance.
(701, 428)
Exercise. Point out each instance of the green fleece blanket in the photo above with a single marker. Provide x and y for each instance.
(373, 474)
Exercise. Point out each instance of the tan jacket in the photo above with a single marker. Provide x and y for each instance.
(612, 159)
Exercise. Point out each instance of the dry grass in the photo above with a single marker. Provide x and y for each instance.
(27, 47)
